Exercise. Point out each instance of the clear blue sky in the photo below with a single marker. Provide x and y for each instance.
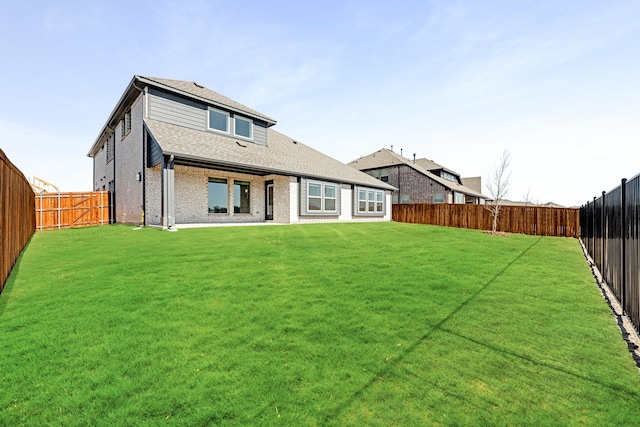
(556, 83)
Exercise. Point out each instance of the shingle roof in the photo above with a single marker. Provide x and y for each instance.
(283, 155)
(199, 91)
(385, 158)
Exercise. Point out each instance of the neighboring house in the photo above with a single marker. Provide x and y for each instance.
(507, 202)
(420, 180)
(174, 152)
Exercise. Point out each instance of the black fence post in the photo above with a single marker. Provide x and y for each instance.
(623, 232)
(593, 229)
(603, 234)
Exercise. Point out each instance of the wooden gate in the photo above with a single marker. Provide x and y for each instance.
(69, 210)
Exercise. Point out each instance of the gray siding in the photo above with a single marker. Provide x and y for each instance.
(170, 108)
(259, 132)
(154, 152)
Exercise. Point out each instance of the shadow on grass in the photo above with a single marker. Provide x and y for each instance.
(537, 362)
(8, 285)
(437, 327)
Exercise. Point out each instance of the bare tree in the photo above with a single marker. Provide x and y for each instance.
(498, 186)
(527, 198)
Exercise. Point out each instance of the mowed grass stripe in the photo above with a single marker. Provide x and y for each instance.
(326, 324)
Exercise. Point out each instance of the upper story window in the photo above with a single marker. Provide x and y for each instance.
(125, 127)
(110, 148)
(447, 175)
(218, 120)
(223, 121)
(381, 174)
(243, 127)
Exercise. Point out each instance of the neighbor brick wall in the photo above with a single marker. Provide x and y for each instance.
(409, 181)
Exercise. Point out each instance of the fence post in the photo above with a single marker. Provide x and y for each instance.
(602, 232)
(593, 228)
(623, 237)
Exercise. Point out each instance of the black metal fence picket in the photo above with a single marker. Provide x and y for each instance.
(610, 229)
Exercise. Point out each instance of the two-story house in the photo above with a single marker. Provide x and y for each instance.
(174, 152)
(420, 180)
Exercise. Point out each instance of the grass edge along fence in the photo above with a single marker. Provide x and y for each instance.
(610, 233)
(69, 210)
(531, 220)
(17, 216)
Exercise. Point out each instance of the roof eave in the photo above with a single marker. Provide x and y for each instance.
(266, 171)
(270, 122)
(110, 123)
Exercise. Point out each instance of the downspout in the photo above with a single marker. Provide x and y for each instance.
(112, 220)
(171, 196)
(144, 173)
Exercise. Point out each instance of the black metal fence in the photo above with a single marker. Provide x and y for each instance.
(610, 229)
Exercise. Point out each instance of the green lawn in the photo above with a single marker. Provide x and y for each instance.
(327, 324)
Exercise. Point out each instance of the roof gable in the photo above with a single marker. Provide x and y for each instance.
(195, 90)
(385, 158)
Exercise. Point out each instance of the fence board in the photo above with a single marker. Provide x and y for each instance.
(17, 219)
(534, 220)
(70, 210)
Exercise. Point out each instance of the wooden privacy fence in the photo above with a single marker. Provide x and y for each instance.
(69, 210)
(17, 219)
(534, 220)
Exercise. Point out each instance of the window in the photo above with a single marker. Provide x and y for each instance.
(110, 148)
(362, 200)
(438, 197)
(459, 198)
(127, 122)
(322, 197)
(218, 120)
(218, 198)
(329, 197)
(404, 198)
(370, 201)
(381, 174)
(447, 175)
(243, 127)
(314, 198)
(241, 197)
(384, 175)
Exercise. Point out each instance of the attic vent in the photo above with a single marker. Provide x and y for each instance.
(200, 86)
(240, 144)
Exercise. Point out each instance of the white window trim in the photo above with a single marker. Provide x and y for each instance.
(367, 201)
(250, 137)
(227, 132)
(323, 210)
